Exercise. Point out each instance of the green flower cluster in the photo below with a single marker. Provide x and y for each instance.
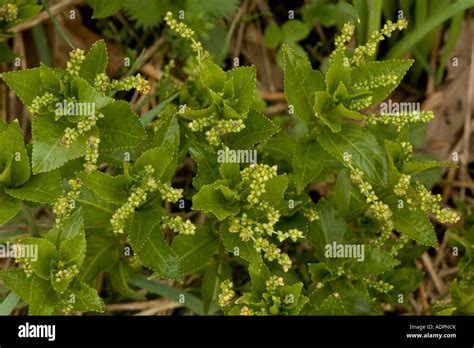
(400, 120)
(40, 103)
(63, 207)
(178, 225)
(260, 233)
(185, 32)
(407, 149)
(398, 245)
(311, 214)
(83, 126)
(73, 66)
(218, 128)
(25, 265)
(276, 299)
(376, 82)
(344, 37)
(256, 177)
(104, 85)
(274, 283)
(378, 285)
(370, 48)
(429, 202)
(8, 12)
(227, 293)
(376, 207)
(402, 186)
(248, 229)
(144, 184)
(169, 193)
(65, 272)
(92, 154)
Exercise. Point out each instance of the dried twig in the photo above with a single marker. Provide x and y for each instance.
(438, 282)
(54, 10)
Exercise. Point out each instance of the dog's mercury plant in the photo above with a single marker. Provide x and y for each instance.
(109, 180)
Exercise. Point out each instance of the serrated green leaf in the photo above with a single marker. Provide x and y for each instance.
(6, 54)
(41, 188)
(85, 298)
(258, 128)
(320, 272)
(48, 152)
(415, 224)
(341, 195)
(244, 88)
(85, 93)
(10, 207)
(96, 211)
(26, 84)
(365, 74)
(195, 251)
(280, 147)
(110, 188)
(74, 249)
(323, 109)
(211, 200)
(275, 189)
(168, 132)
(120, 128)
(50, 79)
(45, 253)
(119, 276)
(259, 274)
(211, 281)
(343, 299)
(329, 228)
(301, 83)
(230, 171)
(206, 162)
(104, 9)
(295, 30)
(158, 256)
(416, 167)
(141, 226)
(43, 297)
(102, 253)
(375, 262)
(212, 75)
(272, 35)
(366, 153)
(148, 13)
(235, 245)
(213, 8)
(17, 281)
(306, 162)
(339, 71)
(15, 165)
(96, 59)
(159, 158)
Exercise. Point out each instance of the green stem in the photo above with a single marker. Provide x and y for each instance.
(58, 26)
(9, 304)
(30, 219)
(190, 301)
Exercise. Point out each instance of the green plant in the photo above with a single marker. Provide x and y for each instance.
(13, 12)
(107, 177)
(205, 18)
